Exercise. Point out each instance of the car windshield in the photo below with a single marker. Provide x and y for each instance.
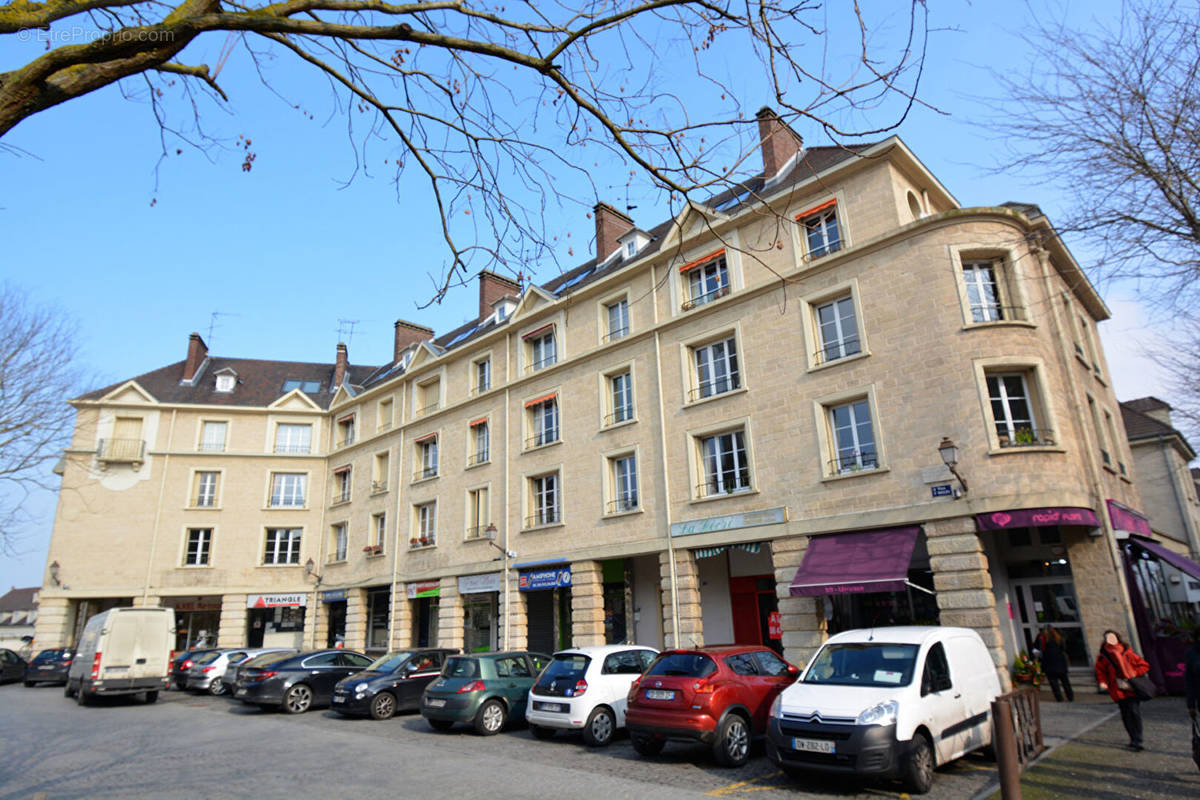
(267, 658)
(864, 664)
(566, 666)
(389, 663)
(689, 665)
(458, 667)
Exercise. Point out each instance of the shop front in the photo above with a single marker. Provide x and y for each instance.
(335, 617)
(481, 611)
(87, 608)
(379, 608)
(423, 597)
(275, 620)
(737, 593)
(546, 589)
(197, 620)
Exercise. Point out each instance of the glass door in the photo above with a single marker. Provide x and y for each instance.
(1050, 601)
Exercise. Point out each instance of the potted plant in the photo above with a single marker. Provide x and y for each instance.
(1027, 671)
(414, 541)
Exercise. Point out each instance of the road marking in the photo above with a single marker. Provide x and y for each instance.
(743, 787)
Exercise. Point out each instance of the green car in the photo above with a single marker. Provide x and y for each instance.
(485, 689)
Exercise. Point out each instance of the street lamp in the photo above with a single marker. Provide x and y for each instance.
(490, 532)
(311, 569)
(948, 450)
(54, 573)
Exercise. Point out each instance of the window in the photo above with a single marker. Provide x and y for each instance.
(379, 527)
(837, 330)
(1089, 342)
(983, 294)
(480, 442)
(618, 319)
(1101, 437)
(706, 281)
(384, 416)
(212, 437)
(342, 480)
(725, 467)
(821, 232)
(126, 444)
(936, 677)
(478, 514)
(542, 349)
(429, 396)
(204, 489)
(853, 437)
(293, 438)
(287, 489)
(543, 421)
(620, 395)
(426, 534)
(340, 543)
(624, 484)
(427, 457)
(483, 376)
(199, 545)
(716, 367)
(345, 431)
(1013, 412)
(226, 383)
(308, 387)
(283, 546)
(379, 472)
(544, 500)
(1111, 428)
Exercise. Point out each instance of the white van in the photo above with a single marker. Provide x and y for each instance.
(894, 702)
(123, 651)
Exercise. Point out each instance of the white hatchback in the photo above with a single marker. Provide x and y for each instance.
(585, 688)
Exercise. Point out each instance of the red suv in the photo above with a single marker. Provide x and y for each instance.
(716, 695)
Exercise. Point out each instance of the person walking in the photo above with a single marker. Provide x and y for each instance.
(1115, 665)
(1054, 663)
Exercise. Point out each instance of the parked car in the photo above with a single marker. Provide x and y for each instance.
(392, 683)
(586, 689)
(716, 695)
(123, 651)
(12, 666)
(296, 682)
(893, 702)
(207, 671)
(229, 679)
(185, 661)
(485, 689)
(49, 666)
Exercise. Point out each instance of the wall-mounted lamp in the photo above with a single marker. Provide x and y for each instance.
(490, 533)
(310, 569)
(54, 573)
(948, 450)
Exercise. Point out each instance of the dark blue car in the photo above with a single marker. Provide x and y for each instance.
(49, 666)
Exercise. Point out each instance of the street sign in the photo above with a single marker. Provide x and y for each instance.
(942, 490)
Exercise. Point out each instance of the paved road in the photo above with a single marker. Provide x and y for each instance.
(205, 747)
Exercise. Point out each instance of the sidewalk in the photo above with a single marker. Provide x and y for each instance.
(1095, 762)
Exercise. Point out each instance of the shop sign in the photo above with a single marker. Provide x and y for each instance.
(549, 578)
(478, 584)
(1125, 518)
(423, 589)
(192, 603)
(774, 625)
(333, 595)
(729, 522)
(275, 600)
(1037, 518)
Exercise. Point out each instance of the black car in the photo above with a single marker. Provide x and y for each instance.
(183, 662)
(12, 666)
(49, 666)
(393, 683)
(296, 683)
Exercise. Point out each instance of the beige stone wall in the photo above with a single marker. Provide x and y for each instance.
(804, 626)
(1098, 587)
(687, 592)
(587, 603)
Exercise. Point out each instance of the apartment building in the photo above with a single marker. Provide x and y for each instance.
(733, 425)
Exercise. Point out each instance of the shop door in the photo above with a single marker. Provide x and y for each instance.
(481, 614)
(1050, 601)
(539, 608)
(752, 599)
(257, 627)
(337, 624)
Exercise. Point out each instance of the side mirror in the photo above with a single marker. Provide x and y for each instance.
(793, 670)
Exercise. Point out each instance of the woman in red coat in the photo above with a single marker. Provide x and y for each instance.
(1115, 665)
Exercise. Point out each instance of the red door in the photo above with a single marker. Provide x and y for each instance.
(743, 597)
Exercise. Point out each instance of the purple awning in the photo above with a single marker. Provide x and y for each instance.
(1125, 518)
(1036, 518)
(854, 563)
(1181, 563)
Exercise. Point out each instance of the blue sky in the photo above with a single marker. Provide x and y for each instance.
(142, 253)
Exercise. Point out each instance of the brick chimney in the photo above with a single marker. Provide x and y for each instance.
(343, 361)
(777, 140)
(408, 334)
(492, 287)
(197, 352)
(610, 226)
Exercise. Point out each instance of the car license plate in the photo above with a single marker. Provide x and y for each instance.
(434, 702)
(549, 707)
(813, 745)
(660, 694)
(337, 699)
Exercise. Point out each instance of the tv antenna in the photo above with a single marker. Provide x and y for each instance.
(212, 324)
(346, 330)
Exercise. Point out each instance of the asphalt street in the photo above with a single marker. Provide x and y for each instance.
(196, 746)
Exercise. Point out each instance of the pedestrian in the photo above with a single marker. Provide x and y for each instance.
(1054, 663)
(1115, 665)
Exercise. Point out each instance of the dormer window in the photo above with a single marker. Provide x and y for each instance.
(226, 381)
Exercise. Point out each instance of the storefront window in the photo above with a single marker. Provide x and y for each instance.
(878, 609)
(377, 618)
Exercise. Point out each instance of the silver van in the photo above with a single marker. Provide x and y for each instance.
(123, 651)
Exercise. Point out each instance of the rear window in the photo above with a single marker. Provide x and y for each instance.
(565, 667)
(207, 658)
(458, 667)
(266, 658)
(688, 665)
(864, 664)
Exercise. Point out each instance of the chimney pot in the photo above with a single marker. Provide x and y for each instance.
(611, 225)
(408, 334)
(197, 352)
(343, 361)
(777, 141)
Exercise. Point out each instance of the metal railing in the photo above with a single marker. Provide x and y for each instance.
(346, 442)
(477, 532)
(622, 505)
(705, 298)
(121, 450)
(479, 388)
(425, 472)
(1026, 437)
(856, 462)
(543, 363)
(613, 335)
(212, 447)
(1016, 737)
(835, 351)
(478, 457)
(428, 408)
(997, 313)
(623, 414)
(547, 516)
(712, 488)
(292, 448)
(341, 496)
(542, 438)
(714, 388)
(378, 486)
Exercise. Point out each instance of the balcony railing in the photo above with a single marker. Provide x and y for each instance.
(616, 333)
(378, 486)
(292, 448)
(479, 388)
(1025, 437)
(121, 451)
(542, 363)
(707, 297)
(545, 516)
(478, 457)
(418, 542)
(714, 488)
(622, 505)
(542, 438)
(346, 440)
(428, 408)
(996, 313)
(477, 532)
(837, 350)
(622, 414)
(853, 462)
(341, 496)
(212, 447)
(425, 472)
(714, 388)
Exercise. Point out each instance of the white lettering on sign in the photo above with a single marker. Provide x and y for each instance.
(478, 584)
(275, 600)
(749, 519)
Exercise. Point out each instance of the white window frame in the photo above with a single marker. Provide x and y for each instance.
(863, 455)
(379, 531)
(288, 548)
(197, 489)
(542, 514)
(826, 437)
(346, 428)
(478, 514)
(479, 443)
(300, 487)
(622, 407)
(481, 375)
(542, 350)
(428, 457)
(621, 330)
(1010, 306)
(208, 445)
(830, 208)
(343, 484)
(226, 383)
(1042, 408)
(381, 467)
(203, 549)
(340, 544)
(704, 348)
(285, 442)
(815, 344)
(623, 495)
(544, 420)
(710, 273)
(384, 421)
(425, 524)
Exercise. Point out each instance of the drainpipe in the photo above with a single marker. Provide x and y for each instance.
(396, 541)
(666, 483)
(507, 521)
(162, 487)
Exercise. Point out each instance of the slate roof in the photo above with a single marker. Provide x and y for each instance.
(1140, 425)
(19, 599)
(1147, 404)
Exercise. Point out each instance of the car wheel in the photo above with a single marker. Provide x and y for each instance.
(732, 743)
(152, 696)
(490, 718)
(67, 690)
(440, 724)
(81, 696)
(600, 726)
(542, 733)
(648, 745)
(216, 688)
(918, 766)
(383, 706)
(298, 699)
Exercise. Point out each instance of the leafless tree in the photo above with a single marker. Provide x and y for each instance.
(38, 372)
(491, 106)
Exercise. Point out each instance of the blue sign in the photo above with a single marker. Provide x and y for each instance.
(550, 578)
(942, 490)
(333, 595)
